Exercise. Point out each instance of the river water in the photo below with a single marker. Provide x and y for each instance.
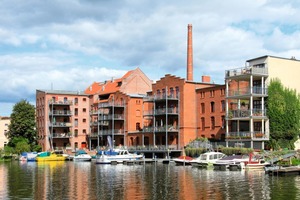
(86, 180)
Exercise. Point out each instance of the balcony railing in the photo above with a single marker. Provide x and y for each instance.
(164, 111)
(62, 135)
(60, 102)
(246, 135)
(60, 112)
(105, 105)
(250, 70)
(162, 97)
(112, 131)
(246, 113)
(168, 128)
(247, 91)
(60, 124)
(110, 117)
(101, 123)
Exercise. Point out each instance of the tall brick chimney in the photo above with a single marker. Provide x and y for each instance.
(189, 75)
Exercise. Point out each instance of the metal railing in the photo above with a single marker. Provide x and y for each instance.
(250, 70)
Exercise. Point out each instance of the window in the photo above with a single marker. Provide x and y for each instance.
(223, 107)
(76, 101)
(76, 133)
(222, 91)
(84, 110)
(138, 102)
(203, 123)
(202, 108)
(177, 91)
(76, 123)
(65, 99)
(76, 111)
(163, 93)
(212, 106)
(137, 126)
(212, 119)
(84, 120)
(212, 93)
(84, 99)
(84, 131)
(223, 121)
(171, 92)
(202, 95)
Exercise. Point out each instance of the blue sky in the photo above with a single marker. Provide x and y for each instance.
(67, 45)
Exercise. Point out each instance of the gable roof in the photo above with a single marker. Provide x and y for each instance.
(107, 87)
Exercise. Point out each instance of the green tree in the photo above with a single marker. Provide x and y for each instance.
(22, 124)
(283, 108)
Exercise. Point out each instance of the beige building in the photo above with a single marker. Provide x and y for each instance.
(286, 69)
(4, 122)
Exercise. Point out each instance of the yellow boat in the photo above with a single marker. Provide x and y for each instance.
(50, 156)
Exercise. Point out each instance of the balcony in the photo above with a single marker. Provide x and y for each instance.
(107, 105)
(112, 131)
(246, 71)
(60, 124)
(164, 111)
(62, 135)
(115, 117)
(161, 97)
(168, 128)
(256, 135)
(60, 102)
(256, 113)
(60, 113)
(257, 91)
(100, 123)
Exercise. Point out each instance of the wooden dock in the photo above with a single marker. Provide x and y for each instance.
(284, 171)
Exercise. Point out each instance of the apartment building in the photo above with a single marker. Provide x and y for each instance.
(247, 123)
(116, 109)
(62, 119)
(171, 114)
(4, 123)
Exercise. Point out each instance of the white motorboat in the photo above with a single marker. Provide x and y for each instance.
(116, 155)
(82, 155)
(254, 163)
(207, 159)
(228, 161)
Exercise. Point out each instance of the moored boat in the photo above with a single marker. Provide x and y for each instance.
(207, 159)
(28, 156)
(50, 156)
(230, 161)
(254, 163)
(82, 155)
(183, 160)
(116, 155)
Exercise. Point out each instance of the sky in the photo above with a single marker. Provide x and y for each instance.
(69, 44)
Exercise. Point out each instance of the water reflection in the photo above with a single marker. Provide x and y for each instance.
(86, 180)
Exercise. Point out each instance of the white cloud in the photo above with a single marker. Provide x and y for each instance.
(69, 44)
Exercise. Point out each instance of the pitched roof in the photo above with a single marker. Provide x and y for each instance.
(107, 87)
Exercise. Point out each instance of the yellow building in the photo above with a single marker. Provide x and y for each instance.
(286, 69)
(4, 122)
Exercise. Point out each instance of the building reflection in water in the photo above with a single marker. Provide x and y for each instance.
(86, 180)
